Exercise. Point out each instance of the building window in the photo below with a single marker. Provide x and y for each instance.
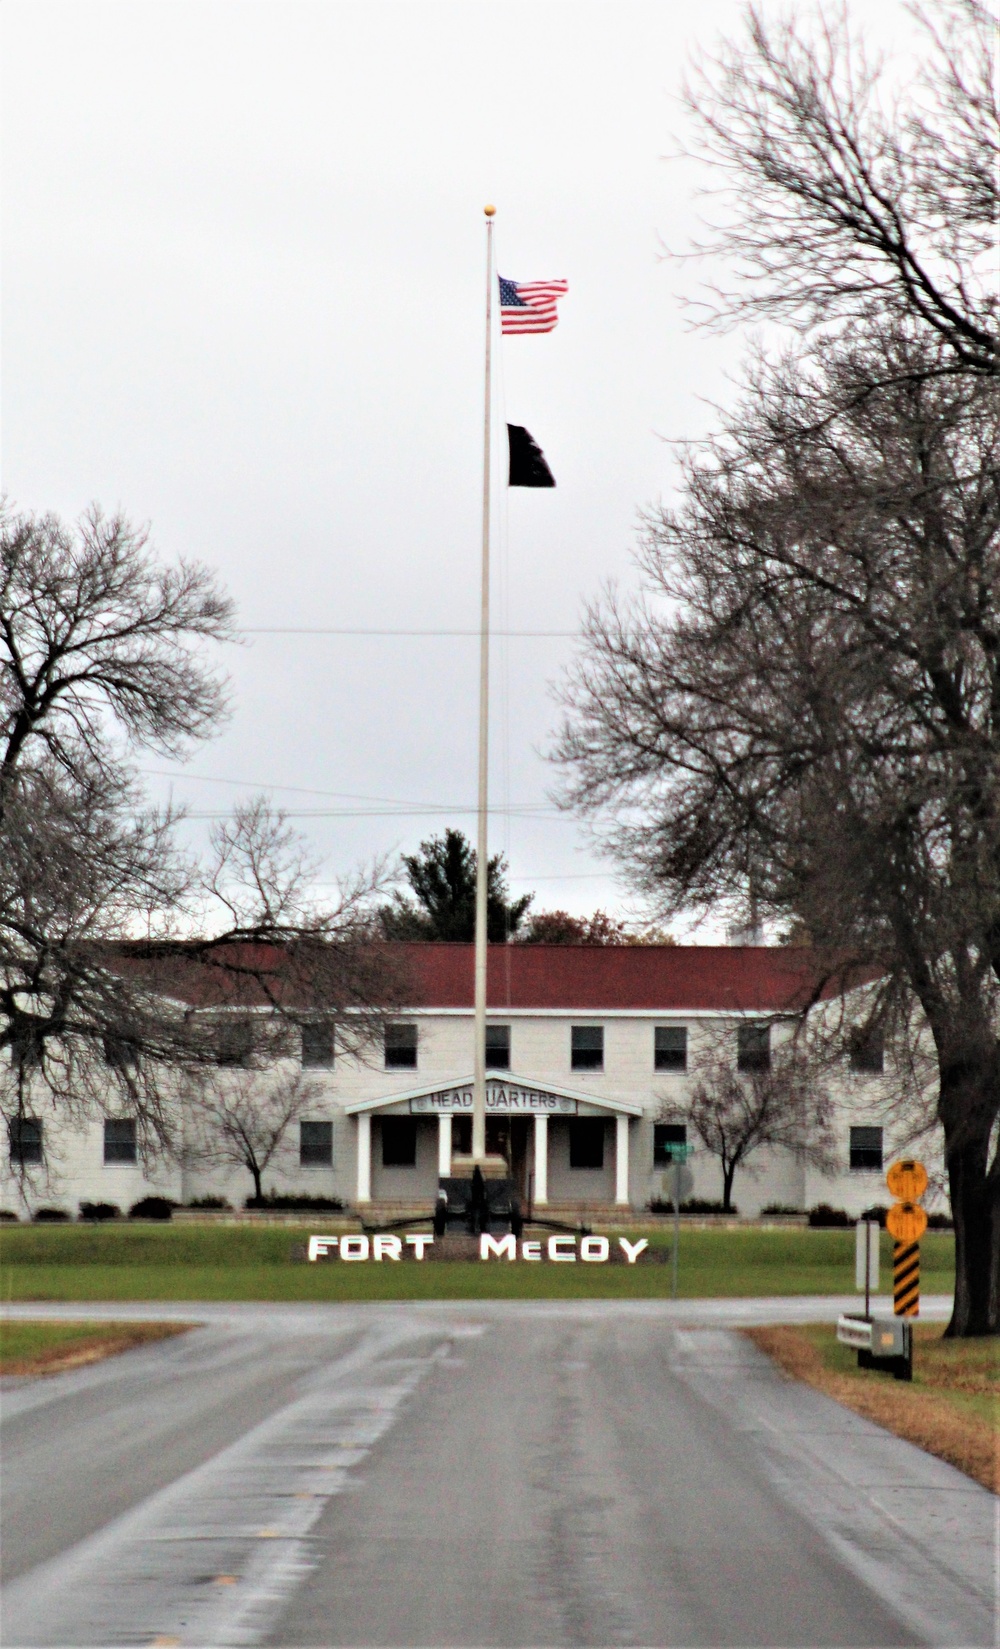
(25, 1048)
(753, 1047)
(234, 1042)
(586, 1144)
(665, 1136)
(317, 1045)
(316, 1144)
(120, 1053)
(866, 1148)
(498, 1047)
(867, 1053)
(119, 1139)
(670, 1048)
(25, 1139)
(399, 1142)
(401, 1047)
(587, 1048)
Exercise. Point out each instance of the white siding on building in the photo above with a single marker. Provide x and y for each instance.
(540, 1046)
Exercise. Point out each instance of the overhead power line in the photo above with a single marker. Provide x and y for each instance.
(393, 803)
(523, 635)
(391, 813)
(586, 876)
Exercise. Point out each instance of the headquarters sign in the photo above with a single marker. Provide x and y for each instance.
(502, 1099)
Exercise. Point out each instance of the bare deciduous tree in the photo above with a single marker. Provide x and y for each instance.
(99, 640)
(782, 1103)
(243, 1119)
(558, 927)
(800, 715)
(99, 656)
(839, 201)
(103, 918)
(816, 726)
(270, 932)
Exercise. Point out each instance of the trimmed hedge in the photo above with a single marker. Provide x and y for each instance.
(152, 1208)
(293, 1203)
(694, 1205)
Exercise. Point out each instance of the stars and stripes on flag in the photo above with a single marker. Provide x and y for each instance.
(529, 306)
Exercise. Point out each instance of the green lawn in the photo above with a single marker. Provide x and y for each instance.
(41, 1348)
(22, 1341)
(167, 1262)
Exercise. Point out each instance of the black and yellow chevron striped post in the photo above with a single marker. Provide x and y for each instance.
(906, 1279)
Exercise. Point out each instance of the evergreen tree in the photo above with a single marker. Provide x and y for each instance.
(442, 877)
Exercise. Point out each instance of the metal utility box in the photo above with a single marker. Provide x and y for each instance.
(890, 1337)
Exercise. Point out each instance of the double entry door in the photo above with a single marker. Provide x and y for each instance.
(506, 1137)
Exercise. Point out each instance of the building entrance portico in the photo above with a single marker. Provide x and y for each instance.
(554, 1143)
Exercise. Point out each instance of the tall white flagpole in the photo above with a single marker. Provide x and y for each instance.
(482, 845)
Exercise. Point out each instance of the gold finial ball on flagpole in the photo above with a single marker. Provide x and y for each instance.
(490, 211)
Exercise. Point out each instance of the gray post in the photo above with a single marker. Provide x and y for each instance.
(677, 1224)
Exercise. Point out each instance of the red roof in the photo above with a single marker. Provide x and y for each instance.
(592, 978)
(598, 978)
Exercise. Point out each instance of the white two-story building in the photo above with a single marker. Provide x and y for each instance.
(591, 1054)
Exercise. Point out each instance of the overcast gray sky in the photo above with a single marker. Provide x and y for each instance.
(244, 302)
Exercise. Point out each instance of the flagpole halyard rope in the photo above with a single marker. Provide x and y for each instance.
(503, 594)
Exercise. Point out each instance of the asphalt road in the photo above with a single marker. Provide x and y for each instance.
(481, 1473)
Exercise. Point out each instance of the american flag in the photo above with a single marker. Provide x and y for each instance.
(529, 306)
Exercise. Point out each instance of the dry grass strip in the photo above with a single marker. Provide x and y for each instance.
(922, 1413)
(106, 1340)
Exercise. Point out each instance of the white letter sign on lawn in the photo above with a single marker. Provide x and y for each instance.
(563, 1249)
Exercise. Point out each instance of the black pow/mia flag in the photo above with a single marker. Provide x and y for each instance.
(527, 460)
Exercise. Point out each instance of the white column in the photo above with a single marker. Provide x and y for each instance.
(621, 1159)
(444, 1144)
(364, 1156)
(541, 1159)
